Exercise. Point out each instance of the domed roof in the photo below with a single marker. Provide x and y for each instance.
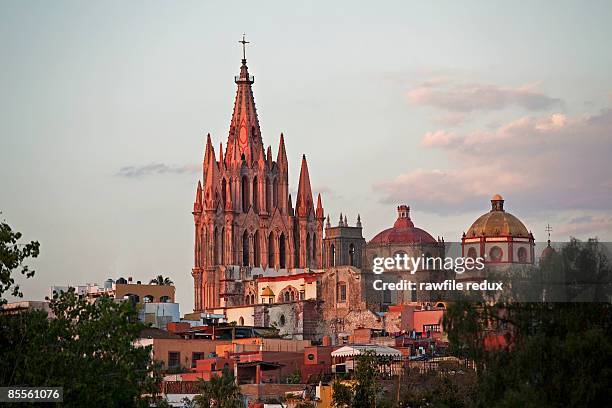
(498, 223)
(403, 231)
(267, 292)
(547, 252)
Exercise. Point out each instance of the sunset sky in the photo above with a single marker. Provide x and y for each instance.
(105, 107)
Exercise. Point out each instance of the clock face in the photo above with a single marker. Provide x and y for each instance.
(243, 136)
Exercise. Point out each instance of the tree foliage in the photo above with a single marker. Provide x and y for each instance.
(86, 347)
(160, 280)
(365, 389)
(12, 257)
(554, 354)
(220, 392)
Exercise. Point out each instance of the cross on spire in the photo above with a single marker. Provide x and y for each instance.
(548, 230)
(244, 42)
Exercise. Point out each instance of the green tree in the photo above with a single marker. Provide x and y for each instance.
(365, 389)
(160, 280)
(558, 354)
(12, 256)
(220, 392)
(86, 347)
(342, 395)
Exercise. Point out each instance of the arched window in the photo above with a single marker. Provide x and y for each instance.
(352, 255)
(241, 321)
(256, 249)
(281, 251)
(148, 299)
(215, 247)
(244, 186)
(472, 253)
(247, 300)
(268, 196)
(245, 248)
(271, 250)
(288, 294)
(496, 254)
(222, 247)
(314, 250)
(252, 299)
(133, 298)
(255, 196)
(522, 255)
(308, 250)
(224, 191)
(275, 193)
(341, 292)
(332, 255)
(164, 299)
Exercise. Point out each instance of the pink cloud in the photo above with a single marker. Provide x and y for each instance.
(552, 162)
(585, 226)
(445, 94)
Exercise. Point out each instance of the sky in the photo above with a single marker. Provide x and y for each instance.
(105, 107)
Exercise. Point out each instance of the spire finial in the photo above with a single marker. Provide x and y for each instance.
(244, 42)
(548, 230)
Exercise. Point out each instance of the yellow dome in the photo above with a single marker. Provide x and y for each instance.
(498, 223)
(267, 292)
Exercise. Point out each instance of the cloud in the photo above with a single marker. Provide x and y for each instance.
(155, 169)
(585, 226)
(540, 163)
(446, 94)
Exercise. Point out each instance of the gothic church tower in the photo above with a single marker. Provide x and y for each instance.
(243, 214)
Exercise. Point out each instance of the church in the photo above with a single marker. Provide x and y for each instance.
(263, 259)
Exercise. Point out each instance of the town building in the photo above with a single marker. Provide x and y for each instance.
(155, 303)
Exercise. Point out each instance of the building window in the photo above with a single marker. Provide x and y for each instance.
(522, 255)
(472, 253)
(148, 299)
(281, 251)
(241, 321)
(271, 250)
(386, 296)
(255, 196)
(332, 255)
(164, 299)
(496, 254)
(174, 359)
(434, 328)
(352, 255)
(341, 292)
(311, 356)
(244, 186)
(281, 320)
(195, 356)
(245, 248)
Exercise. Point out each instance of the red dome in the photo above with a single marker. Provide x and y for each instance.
(403, 231)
